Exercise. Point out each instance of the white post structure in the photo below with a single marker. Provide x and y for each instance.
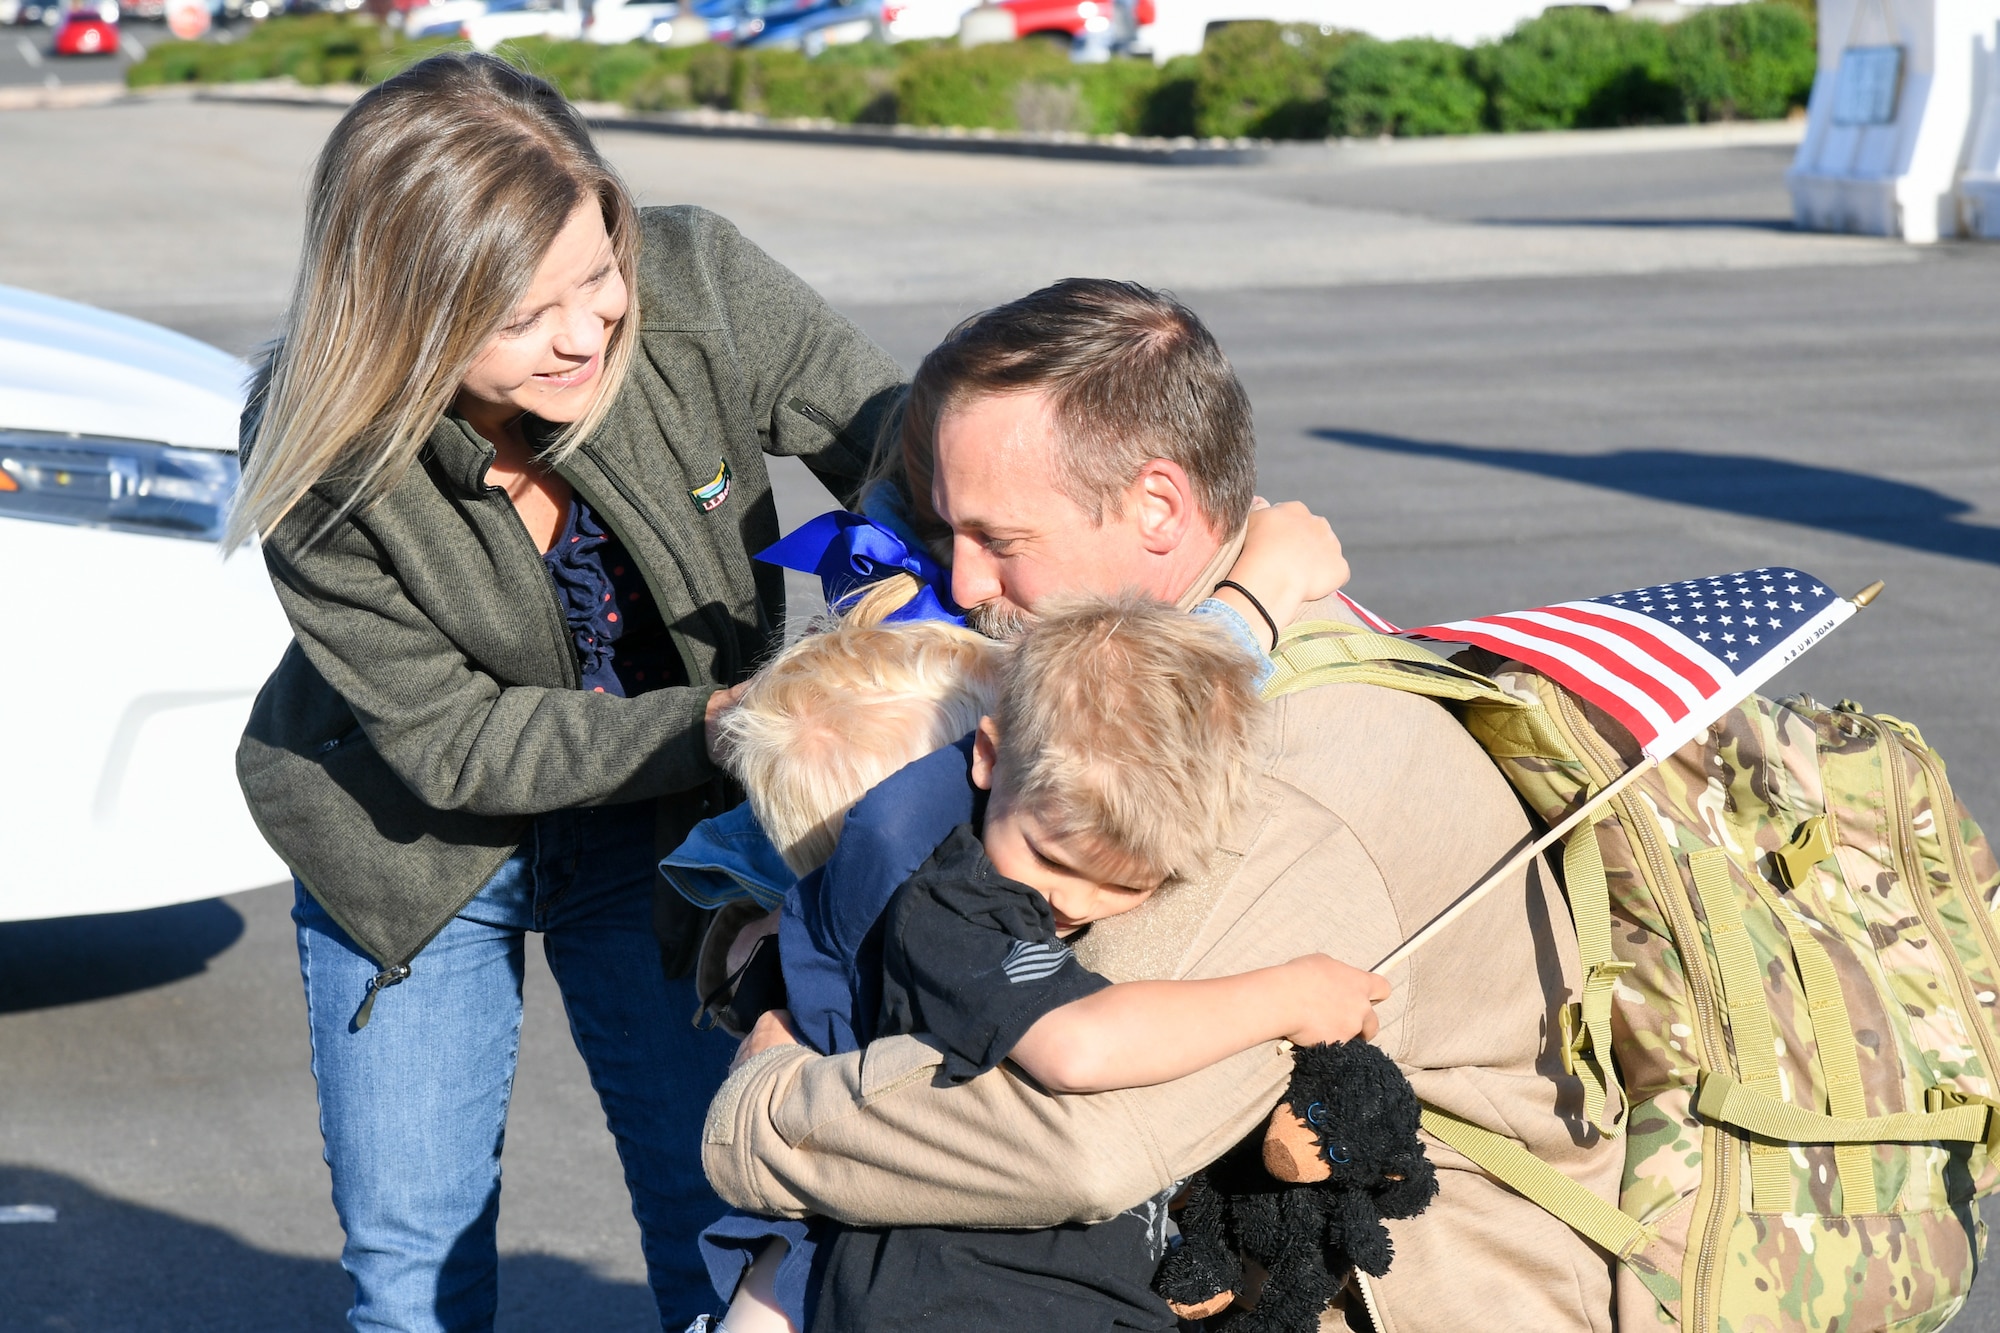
(1979, 186)
(1890, 123)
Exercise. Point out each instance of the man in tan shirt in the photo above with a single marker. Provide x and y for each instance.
(1091, 438)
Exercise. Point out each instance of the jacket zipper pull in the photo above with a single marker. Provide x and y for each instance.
(387, 977)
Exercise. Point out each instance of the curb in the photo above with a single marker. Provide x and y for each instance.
(61, 96)
(924, 139)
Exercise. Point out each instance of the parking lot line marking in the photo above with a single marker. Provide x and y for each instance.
(28, 51)
(26, 1212)
(134, 48)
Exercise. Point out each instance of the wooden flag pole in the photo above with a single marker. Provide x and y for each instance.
(1471, 896)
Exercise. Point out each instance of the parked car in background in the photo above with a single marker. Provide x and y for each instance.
(616, 21)
(505, 20)
(1178, 27)
(133, 650)
(87, 32)
(917, 20)
(46, 13)
(1095, 25)
(813, 27)
(740, 21)
(440, 20)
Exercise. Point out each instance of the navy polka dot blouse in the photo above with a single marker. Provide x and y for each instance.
(622, 645)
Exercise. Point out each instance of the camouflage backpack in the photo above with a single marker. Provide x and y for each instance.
(1788, 1009)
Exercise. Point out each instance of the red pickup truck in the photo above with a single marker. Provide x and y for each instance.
(1069, 18)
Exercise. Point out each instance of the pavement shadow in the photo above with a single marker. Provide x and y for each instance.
(72, 959)
(1649, 224)
(106, 1264)
(1855, 504)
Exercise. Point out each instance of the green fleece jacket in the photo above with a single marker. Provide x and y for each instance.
(428, 706)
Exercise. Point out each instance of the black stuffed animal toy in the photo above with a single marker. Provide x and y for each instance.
(1306, 1201)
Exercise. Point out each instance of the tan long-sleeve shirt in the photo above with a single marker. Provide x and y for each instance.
(1375, 811)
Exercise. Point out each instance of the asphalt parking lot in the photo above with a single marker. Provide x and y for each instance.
(1509, 379)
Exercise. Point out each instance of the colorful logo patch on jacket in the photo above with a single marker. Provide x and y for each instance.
(707, 497)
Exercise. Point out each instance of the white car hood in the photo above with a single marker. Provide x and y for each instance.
(75, 369)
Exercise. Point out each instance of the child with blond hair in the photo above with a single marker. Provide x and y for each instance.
(1115, 744)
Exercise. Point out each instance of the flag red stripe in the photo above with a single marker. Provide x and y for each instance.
(1655, 646)
(1557, 669)
(1368, 618)
(1624, 668)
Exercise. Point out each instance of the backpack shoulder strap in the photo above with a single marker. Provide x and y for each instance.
(1328, 652)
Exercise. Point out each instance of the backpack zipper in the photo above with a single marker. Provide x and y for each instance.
(1659, 870)
(1954, 844)
(1908, 867)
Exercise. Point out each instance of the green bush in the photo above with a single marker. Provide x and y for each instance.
(1113, 97)
(682, 77)
(786, 84)
(1168, 107)
(977, 88)
(1743, 62)
(1411, 87)
(314, 49)
(1264, 79)
(570, 66)
(1578, 68)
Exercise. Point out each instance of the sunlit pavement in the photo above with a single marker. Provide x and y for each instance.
(1509, 381)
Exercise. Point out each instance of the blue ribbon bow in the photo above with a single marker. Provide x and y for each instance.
(848, 552)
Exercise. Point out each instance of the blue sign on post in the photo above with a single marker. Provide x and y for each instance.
(1866, 85)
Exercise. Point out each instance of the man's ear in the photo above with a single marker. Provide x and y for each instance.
(985, 753)
(1161, 498)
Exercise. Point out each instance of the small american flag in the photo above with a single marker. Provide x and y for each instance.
(1666, 661)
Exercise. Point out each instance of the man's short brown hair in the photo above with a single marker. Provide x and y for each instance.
(1131, 375)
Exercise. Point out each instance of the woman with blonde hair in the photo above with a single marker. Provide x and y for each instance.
(506, 467)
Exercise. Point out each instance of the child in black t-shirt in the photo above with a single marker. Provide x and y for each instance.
(1123, 747)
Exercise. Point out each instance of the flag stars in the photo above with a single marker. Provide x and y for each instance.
(1792, 588)
(1754, 639)
(1730, 656)
(1728, 620)
(1770, 606)
(1729, 638)
(1703, 636)
(1701, 620)
(1674, 620)
(1818, 591)
(1797, 606)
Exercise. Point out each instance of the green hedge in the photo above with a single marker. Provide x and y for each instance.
(1409, 87)
(1265, 79)
(1744, 62)
(1578, 68)
(1569, 68)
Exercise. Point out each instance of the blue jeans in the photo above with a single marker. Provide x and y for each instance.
(413, 1107)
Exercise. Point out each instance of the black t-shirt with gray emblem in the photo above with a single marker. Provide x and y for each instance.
(971, 960)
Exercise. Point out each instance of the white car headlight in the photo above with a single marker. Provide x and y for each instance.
(124, 484)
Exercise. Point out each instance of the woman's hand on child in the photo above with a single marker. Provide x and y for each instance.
(1334, 1001)
(1290, 557)
(719, 703)
(773, 1028)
